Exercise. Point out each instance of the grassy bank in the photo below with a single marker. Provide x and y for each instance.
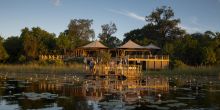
(34, 68)
(201, 70)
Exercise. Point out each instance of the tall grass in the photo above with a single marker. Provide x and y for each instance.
(200, 70)
(34, 68)
(79, 69)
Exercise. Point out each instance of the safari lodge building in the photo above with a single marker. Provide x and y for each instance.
(129, 54)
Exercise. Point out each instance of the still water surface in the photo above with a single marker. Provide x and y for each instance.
(69, 92)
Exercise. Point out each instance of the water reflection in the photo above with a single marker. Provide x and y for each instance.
(69, 92)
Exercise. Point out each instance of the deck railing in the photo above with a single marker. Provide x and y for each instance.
(165, 57)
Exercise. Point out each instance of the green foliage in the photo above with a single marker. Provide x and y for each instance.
(169, 48)
(191, 49)
(106, 36)
(13, 46)
(63, 43)
(3, 53)
(79, 32)
(177, 64)
(208, 56)
(22, 59)
(162, 27)
(51, 62)
(37, 42)
(30, 46)
(74, 60)
(162, 23)
(105, 57)
(217, 52)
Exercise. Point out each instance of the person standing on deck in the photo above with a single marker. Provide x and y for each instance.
(85, 62)
(94, 66)
(112, 65)
(91, 65)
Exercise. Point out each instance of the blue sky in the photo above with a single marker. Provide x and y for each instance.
(54, 15)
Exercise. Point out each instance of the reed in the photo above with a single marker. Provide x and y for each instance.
(200, 70)
(48, 69)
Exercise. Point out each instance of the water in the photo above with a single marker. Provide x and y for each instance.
(69, 92)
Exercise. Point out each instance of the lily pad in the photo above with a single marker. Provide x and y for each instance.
(186, 98)
(177, 105)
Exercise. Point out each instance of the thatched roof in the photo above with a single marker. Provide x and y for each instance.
(152, 46)
(131, 45)
(95, 44)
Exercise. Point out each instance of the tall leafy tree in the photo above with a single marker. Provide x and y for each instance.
(46, 41)
(3, 52)
(163, 22)
(208, 56)
(36, 42)
(63, 43)
(29, 44)
(79, 32)
(161, 27)
(13, 46)
(107, 37)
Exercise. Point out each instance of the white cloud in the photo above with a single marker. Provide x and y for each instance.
(56, 2)
(190, 29)
(195, 26)
(129, 14)
(195, 21)
(135, 16)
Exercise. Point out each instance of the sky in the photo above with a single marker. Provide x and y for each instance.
(55, 15)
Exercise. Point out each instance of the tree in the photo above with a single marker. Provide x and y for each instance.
(208, 56)
(187, 50)
(63, 42)
(29, 44)
(79, 32)
(161, 28)
(106, 36)
(216, 47)
(46, 41)
(13, 46)
(163, 22)
(37, 42)
(107, 31)
(217, 55)
(3, 53)
(134, 35)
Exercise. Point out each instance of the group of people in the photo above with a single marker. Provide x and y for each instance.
(93, 62)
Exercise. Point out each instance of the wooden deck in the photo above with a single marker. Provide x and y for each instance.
(131, 71)
(149, 62)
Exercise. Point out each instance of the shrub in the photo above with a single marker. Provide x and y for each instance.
(51, 62)
(22, 59)
(177, 64)
(105, 57)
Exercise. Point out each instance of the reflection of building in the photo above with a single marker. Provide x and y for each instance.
(97, 90)
(117, 91)
(129, 90)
